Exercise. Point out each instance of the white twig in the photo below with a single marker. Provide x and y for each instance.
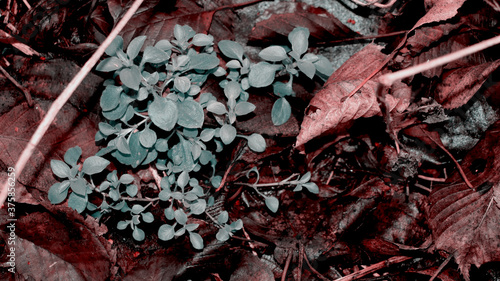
(63, 98)
(390, 78)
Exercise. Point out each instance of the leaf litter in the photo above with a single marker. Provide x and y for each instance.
(374, 204)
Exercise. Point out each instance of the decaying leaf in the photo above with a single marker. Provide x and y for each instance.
(327, 110)
(466, 223)
(322, 25)
(461, 84)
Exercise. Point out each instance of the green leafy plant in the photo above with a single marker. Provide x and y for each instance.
(155, 119)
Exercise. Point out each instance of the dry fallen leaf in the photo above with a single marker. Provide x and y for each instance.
(466, 223)
(327, 111)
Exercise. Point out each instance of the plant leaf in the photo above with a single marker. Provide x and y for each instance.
(163, 113)
(190, 114)
(262, 74)
(72, 156)
(273, 53)
(94, 165)
(135, 46)
(227, 133)
(272, 203)
(281, 112)
(299, 38)
(60, 169)
(196, 240)
(231, 49)
(166, 232)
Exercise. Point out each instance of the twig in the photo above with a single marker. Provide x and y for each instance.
(156, 176)
(65, 95)
(287, 264)
(27, 4)
(390, 78)
(27, 50)
(374, 267)
(431, 178)
(462, 173)
(440, 268)
(314, 270)
(26, 93)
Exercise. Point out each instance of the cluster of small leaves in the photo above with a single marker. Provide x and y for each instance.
(272, 203)
(292, 61)
(156, 112)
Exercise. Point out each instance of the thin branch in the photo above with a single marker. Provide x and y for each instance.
(63, 98)
(374, 267)
(390, 78)
(26, 93)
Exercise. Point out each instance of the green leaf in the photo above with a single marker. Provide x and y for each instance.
(122, 225)
(222, 235)
(163, 113)
(324, 66)
(203, 61)
(191, 226)
(299, 39)
(233, 64)
(196, 240)
(256, 143)
(216, 181)
(135, 46)
(132, 190)
(307, 68)
(312, 187)
(147, 137)
(147, 217)
(273, 53)
(232, 90)
(94, 165)
(190, 114)
(198, 207)
(201, 40)
(58, 192)
(217, 108)
(182, 84)
(122, 145)
(281, 112)
(244, 108)
(262, 74)
(109, 64)
(106, 129)
(272, 203)
(163, 45)
(116, 44)
(131, 77)
(77, 202)
(183, 179)
(138, 234)
(166, 232)
(79, 186)
(126, 178)
(237, 225)
(118, 112)
(137, 152)
(169, 213)
(305, 178)
(223, 217)
(60, 169)
(183, 32)
(207, 134)
(137, 209)
(180, 216)
(161, 145)
(227, 133)
(154, 55)
(283, 89)
(231, 49)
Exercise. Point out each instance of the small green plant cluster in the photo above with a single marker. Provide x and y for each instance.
(156, 111)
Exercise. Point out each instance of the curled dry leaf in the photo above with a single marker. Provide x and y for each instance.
(327, 111)
(461, 84)
(464, 222)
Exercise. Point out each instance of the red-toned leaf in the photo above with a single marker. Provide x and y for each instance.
(465, 222)
(461, 84)
(327, 110)
(157, 19)
(322, 25)
(70, 128)
(439, 10)
(48, 249)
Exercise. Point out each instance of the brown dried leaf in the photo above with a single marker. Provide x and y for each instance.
(322, 25)
(157, 20)
(439, 10)
(464, 222)
(461, 84)
(70, 128)
(327, 111)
